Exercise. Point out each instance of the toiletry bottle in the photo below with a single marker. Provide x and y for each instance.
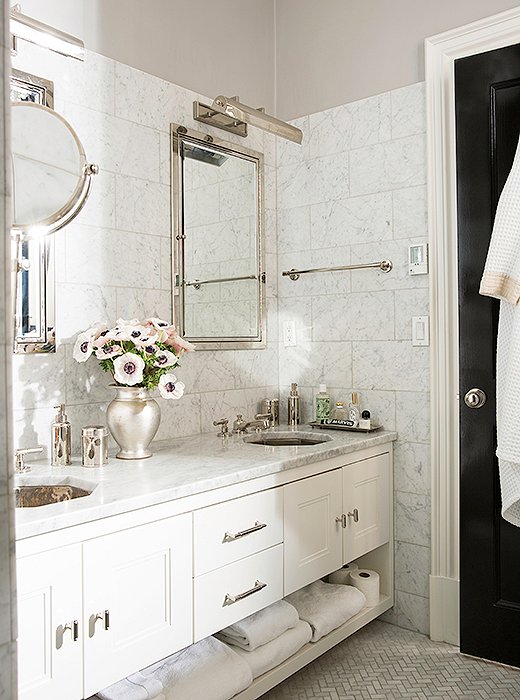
(340, 411)
(354, 413)
(364, 421)
(322, 403)
(293, 406)
(60, 438)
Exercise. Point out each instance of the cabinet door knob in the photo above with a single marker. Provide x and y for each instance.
(354, 514)
(105, 616)
(342, 519)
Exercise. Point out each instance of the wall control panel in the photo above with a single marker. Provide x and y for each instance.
(418, 259)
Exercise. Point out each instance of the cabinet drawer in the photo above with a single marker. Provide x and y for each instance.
(236, 529)
(229, 594)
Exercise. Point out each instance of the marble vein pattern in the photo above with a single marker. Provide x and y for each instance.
(115, 259)
(353, 329)
(181, 468)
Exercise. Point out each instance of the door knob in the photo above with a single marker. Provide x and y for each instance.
(475, 398)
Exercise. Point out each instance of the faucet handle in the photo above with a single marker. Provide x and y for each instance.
(224, 430)
(239, 425)
(20, 465)
(266, 417)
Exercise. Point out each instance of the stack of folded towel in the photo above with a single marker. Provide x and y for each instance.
(268, 637)
(208, 669)
(326, 606)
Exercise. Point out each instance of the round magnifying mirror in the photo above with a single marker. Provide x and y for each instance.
(51, 176)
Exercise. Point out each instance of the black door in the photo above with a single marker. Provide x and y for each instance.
(487, 91)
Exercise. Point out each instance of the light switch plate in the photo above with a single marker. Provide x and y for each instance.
(420, 330)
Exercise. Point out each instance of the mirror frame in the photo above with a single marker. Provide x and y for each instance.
(179, 135)
(45, 342)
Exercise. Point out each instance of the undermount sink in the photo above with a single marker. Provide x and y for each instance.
(31, 494)
(286, 439)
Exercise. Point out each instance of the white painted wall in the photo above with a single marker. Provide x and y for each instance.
(224, 47)
(332, 52)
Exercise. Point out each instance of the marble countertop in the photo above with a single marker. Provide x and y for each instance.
(178, 468)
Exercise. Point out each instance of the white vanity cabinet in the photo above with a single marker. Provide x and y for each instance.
(49, 616)
(312, 529)
(126, 596)
(336, 517)
(108, 597)
(137, 599)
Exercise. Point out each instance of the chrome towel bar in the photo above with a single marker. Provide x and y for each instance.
(198, 283)
(384, 266)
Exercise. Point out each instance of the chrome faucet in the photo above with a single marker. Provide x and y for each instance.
(262, 421)
(224, 430)
(20, 466)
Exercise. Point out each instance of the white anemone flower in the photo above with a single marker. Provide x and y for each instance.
(158, 323)
(165, 358)
(170, 388)
(128, 369)
(108, 351)
(83, 347)
(130, 322)
(143, 335)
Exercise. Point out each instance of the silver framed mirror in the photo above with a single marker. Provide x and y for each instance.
(217, 241)
(51, 182)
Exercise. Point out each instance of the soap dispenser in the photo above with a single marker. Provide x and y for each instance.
(60, 439)
(293, 406)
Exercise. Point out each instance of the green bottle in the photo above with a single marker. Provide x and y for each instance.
(323, 403)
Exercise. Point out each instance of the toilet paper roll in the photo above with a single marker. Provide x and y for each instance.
(343, 575)
(367, 582)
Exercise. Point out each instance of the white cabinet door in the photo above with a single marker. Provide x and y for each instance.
(137, 599)
(49, 625)
(312, 535)
(366, 503)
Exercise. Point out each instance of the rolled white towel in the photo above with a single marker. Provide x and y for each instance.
(261, 627)
(326, 606)
(208, 669)
(135, 687)
(269, 655)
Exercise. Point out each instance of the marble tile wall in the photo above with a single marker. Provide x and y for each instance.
(355, 192)
(7, 568)
(115, 259)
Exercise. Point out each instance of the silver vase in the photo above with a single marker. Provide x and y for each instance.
(133, 419)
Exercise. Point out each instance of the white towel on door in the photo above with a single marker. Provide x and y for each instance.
(275, 652)
(208, 669)
(260, 627)
(501, 279)
(326, 606)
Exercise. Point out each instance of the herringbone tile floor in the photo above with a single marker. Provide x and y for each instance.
(383, 662)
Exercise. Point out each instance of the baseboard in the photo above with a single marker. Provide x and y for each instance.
(444, 609)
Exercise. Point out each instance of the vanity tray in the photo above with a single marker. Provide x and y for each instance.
(316, 424)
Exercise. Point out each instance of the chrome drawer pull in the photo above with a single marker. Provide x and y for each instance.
(230, 599)
(354, 514)
(105, 616)
(231, 537)
(342, 519)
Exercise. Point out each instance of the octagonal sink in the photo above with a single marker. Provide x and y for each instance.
(286, 439)
(30, 492)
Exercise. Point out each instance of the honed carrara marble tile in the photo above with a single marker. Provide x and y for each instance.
(412, 518)
(410, 212)
(412, 568)
(391, 365)
(413, 416)
(412, 467)
(350, 221)
(408, 110)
